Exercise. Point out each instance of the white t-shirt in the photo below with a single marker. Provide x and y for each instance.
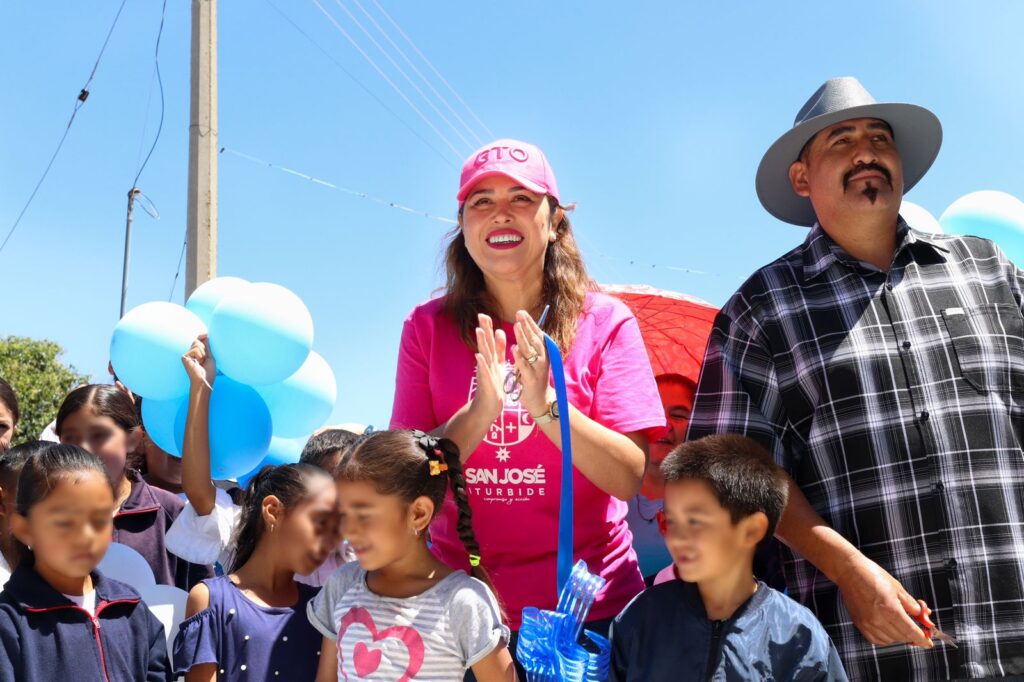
(5, 571)
(434, 636)
(85, 601)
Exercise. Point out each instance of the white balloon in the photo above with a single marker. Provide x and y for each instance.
(123, 563)
(167, 603)
(919, 218)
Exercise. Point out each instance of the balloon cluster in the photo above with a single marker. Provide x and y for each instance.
(272, 390)
(990, 214)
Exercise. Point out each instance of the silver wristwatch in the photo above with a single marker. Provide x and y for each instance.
(549, 416)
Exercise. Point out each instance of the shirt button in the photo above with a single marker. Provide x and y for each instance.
(939, 487)
(923, 417)
(906, 345)
(951, 563)
(888, 287)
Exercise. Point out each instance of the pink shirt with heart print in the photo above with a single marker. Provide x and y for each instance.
(513, 476)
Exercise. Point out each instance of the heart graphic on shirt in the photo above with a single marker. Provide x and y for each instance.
(366, 660)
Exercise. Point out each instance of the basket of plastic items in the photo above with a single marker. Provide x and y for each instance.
(554, 647)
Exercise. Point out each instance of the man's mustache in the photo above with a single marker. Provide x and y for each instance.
(872, 165)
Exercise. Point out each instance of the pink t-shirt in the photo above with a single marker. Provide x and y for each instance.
(513, 476)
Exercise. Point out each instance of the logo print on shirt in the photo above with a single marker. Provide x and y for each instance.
(512, 426)
(365, 660)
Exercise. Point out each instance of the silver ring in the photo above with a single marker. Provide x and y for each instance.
(532, 360)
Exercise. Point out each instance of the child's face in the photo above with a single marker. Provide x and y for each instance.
(101, 436)
(700, 535)
(309, 530)
(376, 526)
(677, 400)
(161, 466)
(6, 426)
(70, 529)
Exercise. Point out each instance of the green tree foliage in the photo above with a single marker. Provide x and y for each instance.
(39, 378)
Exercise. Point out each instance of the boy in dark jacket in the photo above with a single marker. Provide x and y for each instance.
(723, 497)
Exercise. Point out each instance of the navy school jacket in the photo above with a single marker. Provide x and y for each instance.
(665, 634)
(142, 523)
(44, 637)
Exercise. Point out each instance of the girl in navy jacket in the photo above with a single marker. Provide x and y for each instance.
(103, 420)
(60, 619)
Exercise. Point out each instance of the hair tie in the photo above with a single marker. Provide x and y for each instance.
(431, 446)
(474, 560)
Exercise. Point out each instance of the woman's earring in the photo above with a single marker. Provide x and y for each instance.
(415, 531)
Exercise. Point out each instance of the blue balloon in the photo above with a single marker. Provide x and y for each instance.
(239, 427)
(993, 215)
(282, 451)
(302, 403)
(261, 334)
(147, 345)
(208, 295)
(161, 421)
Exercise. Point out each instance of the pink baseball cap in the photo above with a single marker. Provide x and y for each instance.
(520, 161)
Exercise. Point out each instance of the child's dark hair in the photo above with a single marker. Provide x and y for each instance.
(288, 483)
(13, 461)
(8, 398)
(325, 445)
(40, 474)
(739, 471)
(409, 464)
(105, 400)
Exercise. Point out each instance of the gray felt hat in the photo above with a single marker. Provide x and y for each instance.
(916, 132)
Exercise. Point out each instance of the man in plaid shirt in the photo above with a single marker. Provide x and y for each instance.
(884, 368)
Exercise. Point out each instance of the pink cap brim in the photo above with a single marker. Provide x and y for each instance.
(468, 186)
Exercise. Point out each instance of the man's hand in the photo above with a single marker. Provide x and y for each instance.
(880, 607)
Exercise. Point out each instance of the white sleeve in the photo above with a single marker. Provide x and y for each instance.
(205, 539)
(476, 620)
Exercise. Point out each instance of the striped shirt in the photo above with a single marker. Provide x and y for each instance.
(432, 637)
(896, 401)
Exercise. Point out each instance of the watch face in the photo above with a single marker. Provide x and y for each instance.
(554, 409)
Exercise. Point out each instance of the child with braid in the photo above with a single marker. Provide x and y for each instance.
(400, 613)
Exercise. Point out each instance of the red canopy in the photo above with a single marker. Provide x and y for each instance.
(675, 326)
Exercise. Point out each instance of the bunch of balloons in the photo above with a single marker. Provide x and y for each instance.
(272, 390)
(990, 214)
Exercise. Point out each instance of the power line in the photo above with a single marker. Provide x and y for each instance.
(387, 55)
(433, 68)
(365, 89)
(390, 82)
(338, 188)
(83, 94)
(181, 258)
(160, 83)
(419, 73)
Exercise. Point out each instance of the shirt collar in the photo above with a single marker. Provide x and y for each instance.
(820, 251)
(29, 589)
(141, 497)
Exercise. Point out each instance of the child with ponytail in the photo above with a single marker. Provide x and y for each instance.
(102, 419)
(251, 624)
(399, 612)
(60, 618)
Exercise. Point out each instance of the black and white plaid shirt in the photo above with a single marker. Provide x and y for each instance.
(896, 402)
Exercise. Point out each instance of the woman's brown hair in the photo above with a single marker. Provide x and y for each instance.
(564, 288)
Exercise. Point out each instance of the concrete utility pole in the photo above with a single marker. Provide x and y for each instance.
(201, 260)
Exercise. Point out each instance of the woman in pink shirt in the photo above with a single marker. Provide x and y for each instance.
(512, 254)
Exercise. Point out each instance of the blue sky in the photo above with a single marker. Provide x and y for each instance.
(654, 116)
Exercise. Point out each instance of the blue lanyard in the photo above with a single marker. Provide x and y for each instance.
(565, 502)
